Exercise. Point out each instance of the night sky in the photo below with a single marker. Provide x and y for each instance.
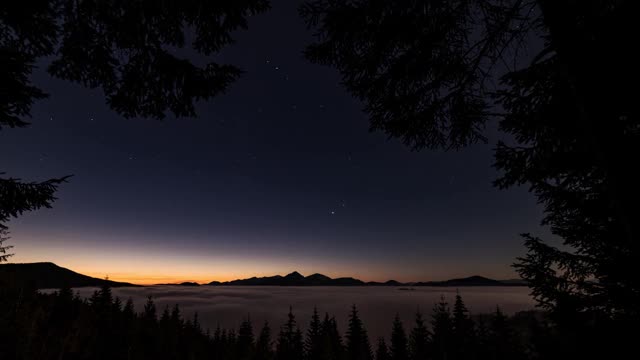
(279, 174)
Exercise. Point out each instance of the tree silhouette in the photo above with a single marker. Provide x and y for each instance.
(123, 48)
(290, 345)
(17, 197)
(422, 69)
(60, 325)
(441, 326)
(463, 334)
(502, 338)
(313, 343)
(419, 339)
(358, 347)
(332, 346)
(4, 236)
(246, 345)
(555, 77)
(399, 342)
(382, 352)
(264, 346)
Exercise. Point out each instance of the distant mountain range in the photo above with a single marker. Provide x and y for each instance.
(296, 279)
(46, 275)
(293, 279)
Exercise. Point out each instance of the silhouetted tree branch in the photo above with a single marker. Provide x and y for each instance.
(17, 197)
(424, 71)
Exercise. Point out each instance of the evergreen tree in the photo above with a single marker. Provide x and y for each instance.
(290, 345)
(230, 345)
(149, 314)
(431, 73)
(503, 343)
(245, 342)
(106, 295)
(482, 347)
(332, 346)
(313, 342)
(358, 347)
(382, 352)
(117, 305)
(4, 236)
(264, 345)
(442, 328)
(196, 323)
(463, 336)
(16, 196)
(165, 318)
(419, 340)
(176, 317)
(128, 310)
(399, 350)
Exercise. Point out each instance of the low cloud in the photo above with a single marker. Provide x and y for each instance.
(227, 306)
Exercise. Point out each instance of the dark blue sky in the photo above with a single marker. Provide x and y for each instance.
(279, 174)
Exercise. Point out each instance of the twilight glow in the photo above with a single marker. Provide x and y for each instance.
(279, 174)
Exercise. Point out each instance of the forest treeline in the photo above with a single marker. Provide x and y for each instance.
(62, 325)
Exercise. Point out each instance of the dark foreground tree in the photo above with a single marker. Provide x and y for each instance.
(560, 80)
(18, 197)
(442, 331)
(419, 339)
(245, 341)
(382, 351)
(125, 48)
(290, 345)
(464, 336)
(399, 342)
(4, 236)
(358, 346)
(332, 346)
(313, 343)
(59, 325)
(264, 345)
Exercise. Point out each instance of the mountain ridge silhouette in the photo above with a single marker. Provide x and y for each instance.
(296, 279)
(47, 275)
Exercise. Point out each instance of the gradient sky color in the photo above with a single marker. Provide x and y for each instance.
(279, 174)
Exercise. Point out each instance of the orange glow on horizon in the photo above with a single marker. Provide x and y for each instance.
(144, 266)
(147, 279)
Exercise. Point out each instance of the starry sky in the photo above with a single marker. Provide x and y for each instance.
(279, 174)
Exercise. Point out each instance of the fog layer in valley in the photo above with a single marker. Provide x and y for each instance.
(227, 306)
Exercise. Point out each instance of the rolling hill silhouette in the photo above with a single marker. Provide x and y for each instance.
(46, 275)
(296, 279)
(293, 279)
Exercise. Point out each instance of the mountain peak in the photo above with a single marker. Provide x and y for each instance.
(294, 275)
